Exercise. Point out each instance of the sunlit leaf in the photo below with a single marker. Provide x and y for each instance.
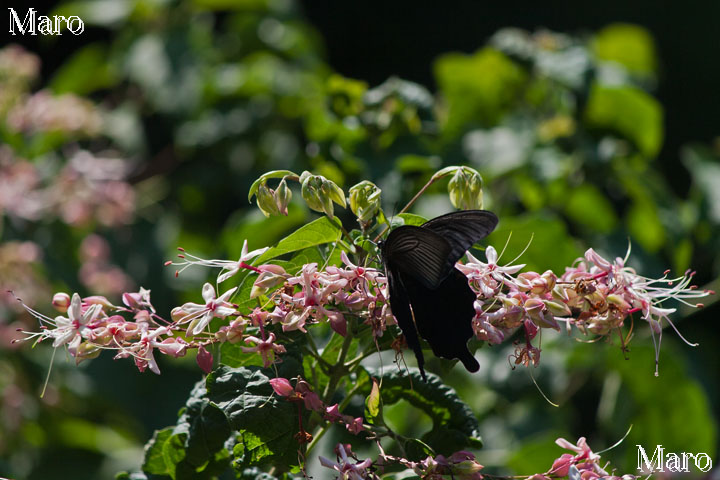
(630, 112)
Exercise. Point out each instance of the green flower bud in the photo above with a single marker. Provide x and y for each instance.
(283, 195)
(266, 201)
(320, 193)
(465, 189)
(365, 200)
(311, 191)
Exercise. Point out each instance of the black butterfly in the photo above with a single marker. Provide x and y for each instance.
(428, 295)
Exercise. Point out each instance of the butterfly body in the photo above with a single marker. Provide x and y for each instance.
(429, 296)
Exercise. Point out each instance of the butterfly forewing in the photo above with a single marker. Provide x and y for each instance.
(462, 230)
(417, 252)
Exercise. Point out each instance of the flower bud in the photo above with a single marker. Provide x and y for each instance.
(319, 193)
(365, 200)
(310, 190)
(86, 351)
(558, 309)
(465, 189)
(264, 282)
(282, 386)
(266, 201)
(61, 302)
(283, 195)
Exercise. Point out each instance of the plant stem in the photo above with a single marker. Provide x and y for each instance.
(409, 204)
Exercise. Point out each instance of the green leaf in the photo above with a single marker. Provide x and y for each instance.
(644, 225)
(411, 164)
(478, 88)
(259, 230)
(587, 206)
(194, 448)
(629, 111)
(541, 232)
(629, 45)
(266, 424)
(320, 231)
(86, 71)
(410, 219)
(373, 405)
(154, 461)
(454, 424)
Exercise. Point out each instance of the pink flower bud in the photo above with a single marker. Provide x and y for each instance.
(561, 466)
(282, 386)
(61, 302)
(204, 359)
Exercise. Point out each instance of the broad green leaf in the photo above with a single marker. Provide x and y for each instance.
(454, 424)
(194, 447)
(266, 424)
(258, 230)
(629, 111)
(587, 206)
(630, 45)
(154, 461)
(231, 354)
(478, 88)
(318, 232)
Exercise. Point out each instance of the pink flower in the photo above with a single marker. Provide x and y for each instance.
(332, 414)
(356, 426)
(347, 470)
(266, 348)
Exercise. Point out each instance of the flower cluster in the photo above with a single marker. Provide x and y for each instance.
(87, 188)
(93, 324)
(594, 295)
(462, 465)
(44, 112)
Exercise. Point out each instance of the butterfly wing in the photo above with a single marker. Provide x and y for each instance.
(418, 252)
(461, 230)
(430, 298)
(443, 316)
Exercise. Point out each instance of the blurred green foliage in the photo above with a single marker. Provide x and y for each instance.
(202, 97)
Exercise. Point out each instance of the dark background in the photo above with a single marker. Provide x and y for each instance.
(374, 39)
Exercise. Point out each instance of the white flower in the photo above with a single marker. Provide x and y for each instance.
(200, 316)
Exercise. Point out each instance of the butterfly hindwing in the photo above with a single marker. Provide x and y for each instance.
(418, 252)
(443, 316)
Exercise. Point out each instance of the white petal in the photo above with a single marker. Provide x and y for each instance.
(230, 272)
(75, 310)
(208, 293)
